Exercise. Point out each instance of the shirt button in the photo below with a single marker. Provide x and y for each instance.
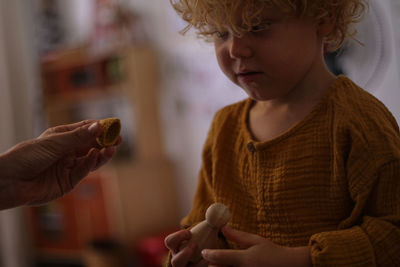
(251, 147)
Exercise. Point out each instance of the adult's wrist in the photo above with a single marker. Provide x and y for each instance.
(5, 169)
(7, 183)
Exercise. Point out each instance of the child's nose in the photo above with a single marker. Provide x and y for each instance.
(239, 47)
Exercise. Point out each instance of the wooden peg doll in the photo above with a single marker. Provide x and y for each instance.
(205, 234)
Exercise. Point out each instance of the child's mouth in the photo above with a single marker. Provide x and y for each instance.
(248, 73)
(247, 77)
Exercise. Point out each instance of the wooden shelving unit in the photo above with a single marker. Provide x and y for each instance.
(134, 196)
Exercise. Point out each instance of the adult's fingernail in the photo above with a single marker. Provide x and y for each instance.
(93, 129)
(205, 253)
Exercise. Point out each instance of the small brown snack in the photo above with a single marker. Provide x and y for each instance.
(111, 128)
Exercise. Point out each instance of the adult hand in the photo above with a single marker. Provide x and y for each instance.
(181, 253)
(257, 251)
(43, 169)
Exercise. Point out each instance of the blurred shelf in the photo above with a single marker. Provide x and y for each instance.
(78, 85)
(65, 59)
(60, 102)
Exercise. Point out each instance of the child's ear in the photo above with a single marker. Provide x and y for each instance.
(325, 25)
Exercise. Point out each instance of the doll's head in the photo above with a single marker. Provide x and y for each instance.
(211, 16)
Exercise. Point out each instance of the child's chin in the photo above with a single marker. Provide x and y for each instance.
(258, 96)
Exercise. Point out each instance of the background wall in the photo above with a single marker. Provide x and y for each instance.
(18, 84)
(389, 92)
(374, 64)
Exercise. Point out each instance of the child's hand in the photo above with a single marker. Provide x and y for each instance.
(257, 251)
(181, 254)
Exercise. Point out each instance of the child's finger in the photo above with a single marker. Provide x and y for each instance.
(174, 240)
(243, 239)
(222, 257)
(182, 257)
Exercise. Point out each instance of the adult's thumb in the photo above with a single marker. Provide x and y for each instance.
(81, 137)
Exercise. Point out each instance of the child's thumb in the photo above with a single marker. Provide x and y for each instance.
(243, 239)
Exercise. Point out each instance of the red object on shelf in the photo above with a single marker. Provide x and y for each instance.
(152, 251)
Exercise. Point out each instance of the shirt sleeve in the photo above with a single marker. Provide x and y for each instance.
(371, 235)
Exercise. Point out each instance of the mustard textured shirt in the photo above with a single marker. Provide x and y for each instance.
(332, 181)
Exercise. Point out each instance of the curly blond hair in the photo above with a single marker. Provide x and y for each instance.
(208, 15)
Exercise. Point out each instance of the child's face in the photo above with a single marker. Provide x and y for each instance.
(269, 63)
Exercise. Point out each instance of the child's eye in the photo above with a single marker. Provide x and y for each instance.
(221, 35)
(261, 27)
